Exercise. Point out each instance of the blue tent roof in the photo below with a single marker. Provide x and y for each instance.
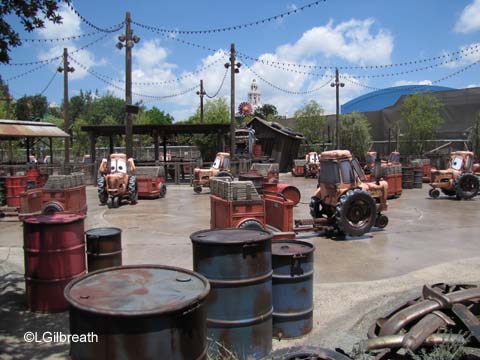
(383, 98)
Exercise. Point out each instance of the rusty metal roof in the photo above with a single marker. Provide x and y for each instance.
(22, 129)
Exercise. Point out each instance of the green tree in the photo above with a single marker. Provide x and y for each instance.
(266, 112)
(155, 116)
(106, 106)
(355, 134)
(310, 122)
(421, 116)
(32, 15)
(31, 107)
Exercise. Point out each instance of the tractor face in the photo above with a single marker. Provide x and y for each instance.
(117, 184)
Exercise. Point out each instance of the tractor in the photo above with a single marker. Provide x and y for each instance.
(312, 165)
(458, 180)
(219, 168)
(117, 182)
(344, 201)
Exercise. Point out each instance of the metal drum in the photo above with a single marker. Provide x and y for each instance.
(292, 284)
(290, 192)
(256, 179)
(104, 248)
(3, 191)
(418, 178)
(238, 264)
(139, 312)
(307, 352)
(407, 178)
(54, 250)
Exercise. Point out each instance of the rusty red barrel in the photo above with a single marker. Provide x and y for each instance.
(139, 312)
(33, 175)
(104, 248)
(292, 284)
(290, 192)
(238, 264)
(15, 186)
(54, 250)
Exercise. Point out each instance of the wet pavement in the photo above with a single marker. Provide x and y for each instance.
(356, 279)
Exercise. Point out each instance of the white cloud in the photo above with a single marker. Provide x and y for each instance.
(469, 20)
(70, 25)
(469, 54)
(473, 86)
(352, 40)
(409, 82)
(148, 54)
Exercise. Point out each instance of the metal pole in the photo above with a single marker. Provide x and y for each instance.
(128, 84)
(66, 119)
(337, 113)
(201, 93)
(232, 100)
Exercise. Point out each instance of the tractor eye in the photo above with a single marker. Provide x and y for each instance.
(113, 168)
(120, 168)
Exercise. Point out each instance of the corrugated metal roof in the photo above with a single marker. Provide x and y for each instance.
(22, 129)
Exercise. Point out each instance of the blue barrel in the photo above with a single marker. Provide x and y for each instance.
(238, 265)
(292, 284)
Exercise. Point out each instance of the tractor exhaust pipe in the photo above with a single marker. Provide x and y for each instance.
(378, 169)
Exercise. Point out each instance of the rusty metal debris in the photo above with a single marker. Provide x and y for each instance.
(309, 353)
(442, 315)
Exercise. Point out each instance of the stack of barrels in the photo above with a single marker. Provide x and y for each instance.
(408, 178)
(3, 191)
(15, 185)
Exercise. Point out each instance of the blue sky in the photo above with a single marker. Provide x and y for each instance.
(344, 33)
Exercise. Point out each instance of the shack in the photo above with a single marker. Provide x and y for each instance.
(278, 142)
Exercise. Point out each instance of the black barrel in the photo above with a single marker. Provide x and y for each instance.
(292, 284)
(407, 177)
(256, 179)
(104, 248)
(417, 178)
(238, 264)
(139, 312)
(3, 191)
(307, 352)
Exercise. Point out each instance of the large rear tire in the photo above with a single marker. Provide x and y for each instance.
(132, 189)
(466, 186)
(356, 212)
(102, 190)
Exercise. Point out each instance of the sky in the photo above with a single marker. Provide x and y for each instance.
(375, 43)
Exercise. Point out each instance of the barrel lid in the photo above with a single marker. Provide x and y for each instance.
(56, 218)
(137, 290)
(230, 236)
(250, 176)
(289, 248)
(103, 231)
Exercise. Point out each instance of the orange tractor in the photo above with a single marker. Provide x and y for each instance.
(116, 181)
(458, 180)
(312, 166)
(219, 168)
(344, 201)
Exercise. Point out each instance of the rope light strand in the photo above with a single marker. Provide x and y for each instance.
(235, 27)
(47, 61)
(26, 72)
(219, 88)
(65, 38)
(109, 29)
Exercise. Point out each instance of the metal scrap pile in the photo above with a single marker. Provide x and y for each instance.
(442, 315)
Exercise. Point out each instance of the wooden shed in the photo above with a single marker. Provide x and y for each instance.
(278, 142)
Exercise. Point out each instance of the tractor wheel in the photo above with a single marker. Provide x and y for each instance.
(467, 186)
(132, 189)
(251, 225)
(381, 222)
(163, 190)
(110, 202)
(116, 202)
(197, 189)
(224, 174)
(434, 193)
(306, 172)
(315, 207)
(448, 192)
(52, 208)
(102, 190)
(355, 213)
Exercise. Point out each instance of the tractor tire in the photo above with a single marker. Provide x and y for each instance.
(102, 190)
(315, 207)
(163, 190)
(51, 208)
(466, 186)
(434, 193)
(381, 222)
(116, 202)
(356, 213)
(197, 189)
(251, 225)
(448, 192)
(224, 174)
(132, 189)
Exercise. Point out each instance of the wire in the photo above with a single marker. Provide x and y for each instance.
(47, 61)
(25, 73)
(73, 37)
(50, 82)
(285, 90)
(233, 27)
(459, 53)
(109, 29)
(219, 88)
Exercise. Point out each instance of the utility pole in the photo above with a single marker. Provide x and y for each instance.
(201, 93)
(234, 69)
(128, 40)
(66, 120)
(337, 84)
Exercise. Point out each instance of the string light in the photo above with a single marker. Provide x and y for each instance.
(26, 73)
(233, 27)
(66, 38)
(109, 29)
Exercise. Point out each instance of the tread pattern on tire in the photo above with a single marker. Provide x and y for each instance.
(132, 189)
(342, 222)
(102, 191)
(462, 194)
